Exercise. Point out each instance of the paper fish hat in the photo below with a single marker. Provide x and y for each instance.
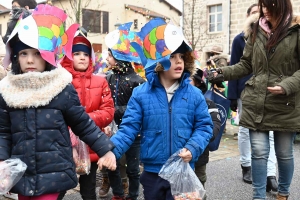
(159, 41)
(119, 42)
(44, 30)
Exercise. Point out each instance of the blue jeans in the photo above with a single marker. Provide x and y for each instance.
(283, 142)
(132, 170)
(244, 147)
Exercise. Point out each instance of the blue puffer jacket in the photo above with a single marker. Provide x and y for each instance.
(165, 127)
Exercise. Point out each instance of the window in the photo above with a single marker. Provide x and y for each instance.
(95, 21)
(135, 24)
(215, 18)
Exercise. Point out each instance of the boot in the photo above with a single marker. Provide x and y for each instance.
(247, 174)
(271, 184)
(125, 187)
(279, 197)
(104, 188)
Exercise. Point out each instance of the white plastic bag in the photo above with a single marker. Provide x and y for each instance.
(11, 171)
(184, 183)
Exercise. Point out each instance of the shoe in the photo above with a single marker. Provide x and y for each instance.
(279, 197)
(235, 136)
(125, 187)
(247, 174)
(104, 188)
(117, 198)
(272, 184)
(11, 196)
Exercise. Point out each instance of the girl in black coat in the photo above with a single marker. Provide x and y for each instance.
(37, 105)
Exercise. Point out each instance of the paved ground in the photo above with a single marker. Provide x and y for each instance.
(224, 174)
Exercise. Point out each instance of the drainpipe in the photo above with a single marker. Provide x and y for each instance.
(228, 29)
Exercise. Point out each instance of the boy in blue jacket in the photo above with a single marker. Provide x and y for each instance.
(168, 112)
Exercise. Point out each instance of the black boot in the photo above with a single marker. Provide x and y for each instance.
(247, 174)
(271, 184)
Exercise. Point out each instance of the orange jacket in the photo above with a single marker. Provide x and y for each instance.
(94, 95)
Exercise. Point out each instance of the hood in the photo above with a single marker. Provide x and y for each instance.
(248, 26)
(68, 65)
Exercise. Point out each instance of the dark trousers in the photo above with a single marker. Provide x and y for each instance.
(155, 187)
(132, 170)
(87, 185)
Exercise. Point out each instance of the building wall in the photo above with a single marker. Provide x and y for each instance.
(4, 17)
(237, 12)
(117, 14)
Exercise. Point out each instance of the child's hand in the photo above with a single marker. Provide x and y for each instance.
(186, 155)
(107, 131)
(108, 160)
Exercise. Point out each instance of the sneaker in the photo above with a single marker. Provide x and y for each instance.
(11, 196)
(125, 188)
(104, 188)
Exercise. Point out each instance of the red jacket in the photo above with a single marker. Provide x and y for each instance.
(94, 95)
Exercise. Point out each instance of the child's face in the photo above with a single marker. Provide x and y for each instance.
(81, 61)
(110, 59)
(31, 61)
(177, 67)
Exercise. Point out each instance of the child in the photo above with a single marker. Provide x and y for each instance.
(168, 112)
(122, 82)
(37, 104)
(200, 165)
(95, 96)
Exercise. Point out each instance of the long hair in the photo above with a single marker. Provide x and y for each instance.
(281, 11)
(16, 68)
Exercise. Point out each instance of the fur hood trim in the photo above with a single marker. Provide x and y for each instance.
(254, 19)
(33, 89)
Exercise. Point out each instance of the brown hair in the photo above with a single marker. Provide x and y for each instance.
(189, 62)
(282, 11)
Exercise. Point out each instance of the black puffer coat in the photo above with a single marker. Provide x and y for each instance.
(122, 82)
(35, 111)
(215, 116)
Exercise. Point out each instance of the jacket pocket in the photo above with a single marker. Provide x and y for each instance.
(248, 93)
(152, 146)
(183, 135)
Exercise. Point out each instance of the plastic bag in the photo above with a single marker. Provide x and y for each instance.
(11, 171)
(184, 183)
(235, 118)
(82, 159)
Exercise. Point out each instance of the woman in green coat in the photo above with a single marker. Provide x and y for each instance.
(271, 96)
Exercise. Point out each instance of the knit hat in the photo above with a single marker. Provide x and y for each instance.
(80, 43)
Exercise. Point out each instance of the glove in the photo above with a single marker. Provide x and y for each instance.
(215, 79)
(233, 105)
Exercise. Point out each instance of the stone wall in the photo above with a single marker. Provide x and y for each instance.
(231, 26)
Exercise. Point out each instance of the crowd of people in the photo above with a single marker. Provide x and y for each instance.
(50, 99)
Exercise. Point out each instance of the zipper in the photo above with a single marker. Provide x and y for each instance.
(116, 93)
(170, 118)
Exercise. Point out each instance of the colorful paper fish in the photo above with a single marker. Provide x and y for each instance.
(159, 40)
(119, 42)
(100, 63)
(44, 30)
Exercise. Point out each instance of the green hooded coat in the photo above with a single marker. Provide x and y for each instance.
(263, 110)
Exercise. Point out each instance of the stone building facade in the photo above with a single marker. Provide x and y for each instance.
(216, 22)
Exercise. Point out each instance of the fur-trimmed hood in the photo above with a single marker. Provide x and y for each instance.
(248, 26)
(33, 89)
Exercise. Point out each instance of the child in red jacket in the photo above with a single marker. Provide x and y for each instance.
(95, 96)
